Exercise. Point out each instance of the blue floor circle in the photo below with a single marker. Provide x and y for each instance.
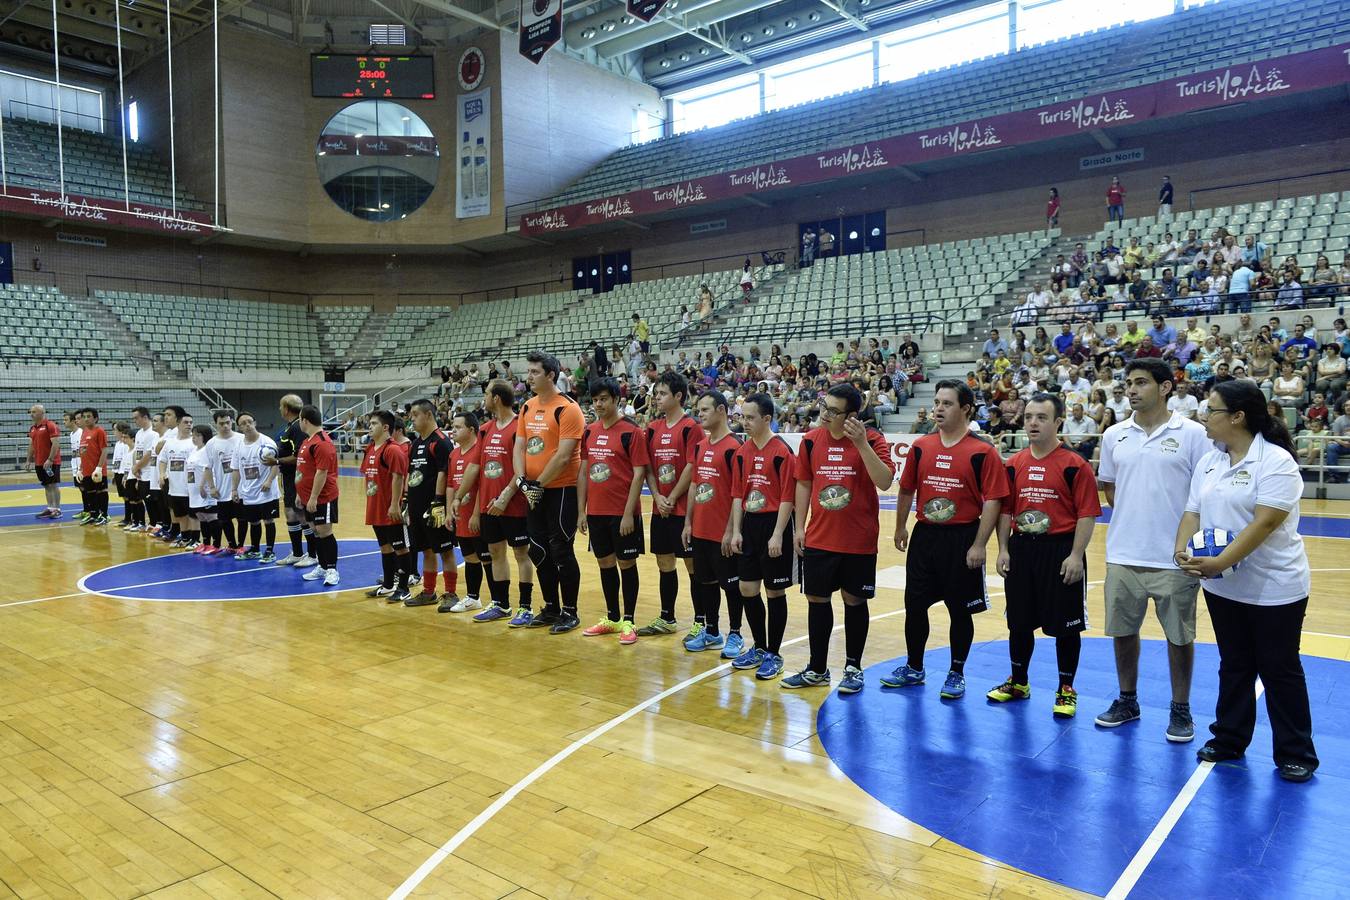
(1073, 803)
(184, 577)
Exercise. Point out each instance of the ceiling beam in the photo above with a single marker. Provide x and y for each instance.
(702, 34)
(451, 9)
(839, 8)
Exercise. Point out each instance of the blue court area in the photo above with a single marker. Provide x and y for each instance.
(1074, 803)
(25, 515)
(183, 577)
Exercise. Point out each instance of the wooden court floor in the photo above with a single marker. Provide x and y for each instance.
(329, 746)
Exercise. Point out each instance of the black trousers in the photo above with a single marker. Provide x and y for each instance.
(1261, 641)
(552, 524)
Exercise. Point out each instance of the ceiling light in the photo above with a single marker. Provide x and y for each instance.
(813, 16)
(767, 30)
(746, 37)
(853, 235)
(704, 51)
(665, 64)
(587, 33)
(608, 25)
(627, 20)
(359, 135)
(790, 24)
(684, 57)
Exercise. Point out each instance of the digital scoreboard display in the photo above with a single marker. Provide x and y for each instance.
(372, 77)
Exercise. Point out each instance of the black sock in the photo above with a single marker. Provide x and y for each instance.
(609, 586)
(311, 542)
(270, 534)
(1068, 647)
(962, 636)
(670, 587)
(1021, 644)
(387, 563)
(754, 616)
(404, 562)
(778, 616)
(255, 536)
(916, 634)
(500, 591)
(819, 624)
(473, 577)
(629, 577)
(735, 606)
(296, 531)
(695, 598)
(712, 607)
(548, 586)
(1130, 695)
(569, 584)
(175, 530)
(227, 525)
(327, 551)
(856, 622)
(526, 589)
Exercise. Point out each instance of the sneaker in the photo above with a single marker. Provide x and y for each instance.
(627, 632)
(954, 688)
(492, 614)
(804, 679)
(250, 555)
(771, 667)
(1009, 690)
(56, 514)
(522, 619)
(543, 619)
(45, 514)
(154, 530)
(229, 551)
(735, 646)
(566, 622)
(1121, 711)
(604, 626)
(657, 626)
(80, 517)
(695, 631)
(208, 550)
(267, 558)
(904, 676)
(305, 562)
(313, 574)
(379, 591)
(425, 598)
(1180, 726)
(750, 659)
(448, 602)
(331, 577)
(705, 641)
(135, 529)
(1066, 703)
(101, 520)
(201, 548)
(852, 682)
(468, 604)
(289, 559)
(399, 595)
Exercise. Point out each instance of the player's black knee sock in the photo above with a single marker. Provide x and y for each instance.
(332, 551)
(819, 624)
(232, 534)
(735, 606)
(695, 599)
(548, 586)
(296, 532)
(254, 536)
(1021, 645)
(1068, 647)
(670, 588)
(526, 589)
(403, 568)
(712, 606)
(175, 530)
(916, 635)
(754, 617)
(609, 586)
(962, 636)
(629, 577)
(500, 591)
(388, 566)
(778, 615)
(311, 541)
(270, 534)
(473, 577)
(569, 584)
(103, 499)
(856, 622)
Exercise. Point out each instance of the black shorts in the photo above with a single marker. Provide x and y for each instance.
(395, 536)
(606, 540)
(512, 529)
(179, 506)
(265, 511)
(120, 482)
(324, 513)
(1036, 593)
(755, 563)
(137, 490)
(666, 536)
(472, 547)
(424, 536)
(710, 565)
(288, 491)
(936, 571)
(229, 509)
(824, 572)
(46, 477)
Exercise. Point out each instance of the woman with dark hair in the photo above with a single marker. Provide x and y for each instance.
(1251, 488)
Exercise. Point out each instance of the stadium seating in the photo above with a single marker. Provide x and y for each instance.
(338, 326)
(41, 326)
(446, 334)
(1189, 41)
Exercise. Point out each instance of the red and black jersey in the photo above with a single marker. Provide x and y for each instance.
(379, 467)
(670, 448)
(710, 487)
(94, 440)
(762, 477)
(41, 437)
(496, 448)
(609, 456)
(951, 484)
(317, 452)
(1050, 495)
(460, 460)
(845, 512)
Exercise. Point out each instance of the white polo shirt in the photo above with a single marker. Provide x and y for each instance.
(1152, 475)
(75, 435)
(1226, 496)
(146, 439)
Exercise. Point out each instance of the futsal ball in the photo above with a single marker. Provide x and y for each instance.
(1211, 542)
(268, 455)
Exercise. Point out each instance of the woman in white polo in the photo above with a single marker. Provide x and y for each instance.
(1251, 487)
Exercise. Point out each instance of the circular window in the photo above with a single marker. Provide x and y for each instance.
(378, 160)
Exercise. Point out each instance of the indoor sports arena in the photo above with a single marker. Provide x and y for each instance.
(646, 448)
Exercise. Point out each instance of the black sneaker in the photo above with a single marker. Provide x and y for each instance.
(1214, 754)
(566, 622)
(399, 595)
(546, 619)
(1180, 726)
(426, 598)
(1121, 711)
(379, 590)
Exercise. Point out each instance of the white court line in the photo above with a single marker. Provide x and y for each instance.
(478, 821)
(1130, 877)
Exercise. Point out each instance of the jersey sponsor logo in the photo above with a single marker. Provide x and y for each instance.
(492, 469)
(1169, 445)
(834, 496)
(755, 500)
(252, 473)
(415, 478)
(175, 465)
(372, 488)
(665, 473)
(704, 493)
(1242, 476)
(600, 472)
(1033, 521)
(534, 446)
(939, 509)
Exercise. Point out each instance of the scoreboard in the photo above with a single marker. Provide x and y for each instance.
(372, 77)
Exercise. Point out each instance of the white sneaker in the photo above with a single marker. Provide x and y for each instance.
(466, 604)
(314, 574)
(331, 577)
(305, 562)
(289, 559)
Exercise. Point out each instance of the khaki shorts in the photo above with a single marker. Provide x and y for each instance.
(1128, 589)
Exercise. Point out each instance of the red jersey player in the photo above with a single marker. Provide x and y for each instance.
(707, 531)
(385, 468)
(316, 487)
(461, 490)
(671, 437)
(94, 467)
(500, 519)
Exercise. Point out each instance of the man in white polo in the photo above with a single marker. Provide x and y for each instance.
(1145, 471)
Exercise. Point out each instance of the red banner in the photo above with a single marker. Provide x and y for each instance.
(103, 211)
(645, 10)
(540, 27)
(1325, 67)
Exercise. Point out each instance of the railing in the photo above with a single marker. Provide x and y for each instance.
(1225, 304)
(212, 397)
(1278, 182)
(203, 289)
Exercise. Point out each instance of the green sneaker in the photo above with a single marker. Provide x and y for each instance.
(658, 626)
(695, 635)
(604, 626)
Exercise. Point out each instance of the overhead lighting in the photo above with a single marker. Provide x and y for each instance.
(665, 64)
(790, 24)
(853, 235)
(625, 20)
(684, 57)
(704, 51)
(746, 37)
(608, 25)
(587, 33)
(767, 31)
(359, 135)
(813, 16)
(407, 118)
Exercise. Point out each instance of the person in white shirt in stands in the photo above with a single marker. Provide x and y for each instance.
(1251, 488)
(1145, 467)
(1183, 401)
(1080, 433)
(1118, 403)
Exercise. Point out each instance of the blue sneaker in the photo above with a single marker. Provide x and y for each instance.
(770, 668)
(852, 682)
(695, 635)
(735, 647)
(492, 614)
(904, 676)
(750, 659)
(522, 618)
(954, 688)
(804, 679)
(705, 641)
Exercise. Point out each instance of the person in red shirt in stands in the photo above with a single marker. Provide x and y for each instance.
(385, 468)
(840, 467)
(1043, 532)
(94, 466)
(1052, 210)
(316, 488)
(500, 519)
(707, 531)
(1115, 201)
(609, 494)
(960, 484)
(44, 452)
(461, 491)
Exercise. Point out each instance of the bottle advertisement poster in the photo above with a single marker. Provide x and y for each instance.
(473, 155)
